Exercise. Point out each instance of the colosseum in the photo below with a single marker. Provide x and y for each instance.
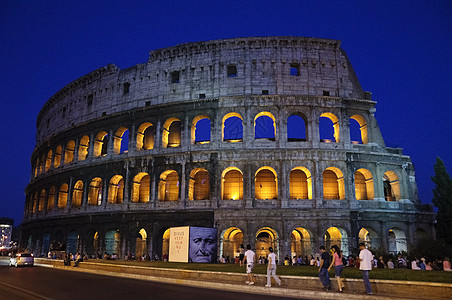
(271, 140)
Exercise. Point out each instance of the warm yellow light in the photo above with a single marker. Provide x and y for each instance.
(234, 197)
(234, 141)
(204, 142)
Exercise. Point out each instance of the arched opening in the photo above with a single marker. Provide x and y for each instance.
(337, 236)
(231, 239)
(264, 126)
(140, 243)
(51, 198)
(101, 144)
(369, 237)
(329, 128)
(266, 184)
(200, 130)
(36, 168)
(165, 243)
(333, 184)
(113, 242)
(96, 243)
(95, 192)
(83, 148)
(301, 242)
(364, 185)
(48, 160)
(77, 194)
(42, 200)
(391, 186)
(171, 136)
(169, 186)
(57, 158)
(358, 130)
(300, 183)
(121, 141)
(232, 125)
(62, 195)
(116, 190)
(396, 241)
(232, 184)
(141, 188)
(145, 136)
(72, 242)
(296, 128)
(199, 186)
(69, 152)
(266, 237)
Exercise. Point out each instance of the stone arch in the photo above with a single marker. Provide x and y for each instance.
(265, 126)
(230, 241)
(396, 241)
(324, 137)
(337, 236)
(391, 186)
(169, 186)
(95, 191)
(121, 141)
(171, 135)
(266, 183)
(141, 188)
(266, 237)
(48, 161)
(232, 125)
(42, 200)
(51, 198)
(101, 144)
(165, 243)
(72, 242)
(141, 243)
(199, 186)
(297, 130)
(116, 190)
(146, 136)
(113, 242)
(83, 148)
(364, 185)
(333, 184)
(300, 183)
(77, 194)
(301, 242)
(200, 130)
(69, 152)
(63, 195)
(362, 128)
(369, 237)
(57, 158)
(232, 184)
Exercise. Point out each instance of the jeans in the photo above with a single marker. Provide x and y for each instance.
(324, 277)
(271, 272)
(366, 281)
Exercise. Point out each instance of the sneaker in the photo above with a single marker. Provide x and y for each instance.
(247, 282)
(268, 285)
(369, 293)
(251, 283)
(279, 283)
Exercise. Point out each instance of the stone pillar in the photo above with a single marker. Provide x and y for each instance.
(182, 200)
(91, 146)
(284, 185)
(384, 237)
(85, 195)
(158, 136)
(69, 193)
(248, 186)
(132, 140)
(378, 184)
(318, 185)
(111, 142)
(153, 200)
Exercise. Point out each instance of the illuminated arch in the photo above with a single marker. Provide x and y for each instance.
(232, 184)
(171, 135)
(266, 183)
(265, 126)
(300, 183)
(83, 148)
(42, 200)
(57, 158)
(121, 141)
(113, 242)
(77, 194)
(296, 128)
(63, 195)
(95, 192)
(266, 237)
(391, 186)
(364, 185)
(116, 190)
(337, 236)
(51, 198)
(301, 242)
(49, 160)
(69, 152)
(396, 241)
(232, 125)
(140, 243)
(362, 129)
(145, 136)
(165, 242)
(34, 203)
(230, 241)
(101, 144)
(199, 186)
(200, 130)
(333, 184)
(335, 124)
(169, 186)
(141, 188)
(369, 237)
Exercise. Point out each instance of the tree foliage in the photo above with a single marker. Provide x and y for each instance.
(442, 199)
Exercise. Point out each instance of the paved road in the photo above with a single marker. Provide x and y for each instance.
(48, 283)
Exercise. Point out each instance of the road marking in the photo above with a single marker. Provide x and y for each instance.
(35, 295)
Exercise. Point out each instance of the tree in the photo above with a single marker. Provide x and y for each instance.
(442, 199)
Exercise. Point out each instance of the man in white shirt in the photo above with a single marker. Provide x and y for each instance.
(365, 265)
(250, 257)
(271, 269)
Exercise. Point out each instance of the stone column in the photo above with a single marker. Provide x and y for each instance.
(182, 200)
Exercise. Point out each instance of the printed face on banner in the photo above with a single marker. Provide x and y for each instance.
(203, 245)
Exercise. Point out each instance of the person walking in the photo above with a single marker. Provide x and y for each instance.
(323, 269)
(241, 255)
(338, 267)
(271, 269)
(250, 257)
(365, 259)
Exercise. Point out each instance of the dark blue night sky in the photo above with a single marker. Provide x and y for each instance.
(400, 50)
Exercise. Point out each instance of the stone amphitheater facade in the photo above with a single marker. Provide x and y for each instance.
(123, 155)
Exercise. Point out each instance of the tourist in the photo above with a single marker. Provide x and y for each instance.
(428, 267)
(381, 263)
(241, 254)
(365, 265)
(250, 258)
(338, 267)
(323, 269)
(414, 265)
(446, 265)
(390, 264)
(271, 269)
